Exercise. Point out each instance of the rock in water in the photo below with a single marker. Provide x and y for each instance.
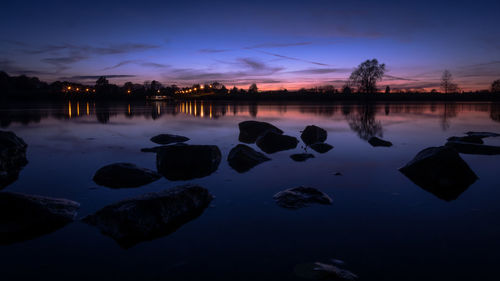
(482, 134)
(242, 158)
(441, 171)
(24, 217)
(184, 162)
(321, 147)
(272, 142)
(301, 157)
(313, 134)
(302, 196)
(168, 139)
(12, 157)
(251, 130)
(473, 148)
(471, 139)
(151, 215)
(124, 175)
(374, 141)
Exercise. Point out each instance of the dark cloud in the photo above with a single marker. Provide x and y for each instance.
(155, 65)
(91, 50)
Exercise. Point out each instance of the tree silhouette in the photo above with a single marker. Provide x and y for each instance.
(387, 90)
(253, 89)
(366, 75)
(447, 83)
(495, 86)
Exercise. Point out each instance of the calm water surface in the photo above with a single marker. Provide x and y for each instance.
(383, 226)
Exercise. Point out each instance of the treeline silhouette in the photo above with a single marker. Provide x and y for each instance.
(31, 88)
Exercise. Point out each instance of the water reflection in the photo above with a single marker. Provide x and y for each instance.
(364, 119)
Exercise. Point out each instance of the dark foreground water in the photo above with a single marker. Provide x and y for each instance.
(383, 226)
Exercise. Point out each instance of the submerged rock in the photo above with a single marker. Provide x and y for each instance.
(321, 147)
(482, 134)
(333, 272)
(301, 157)
(151, 215)
(168, 139)
(124, 175)
(12, 157)
(302, 196)
(157, 148)
(242, 158)
(183, 162)
(374, 141)
(441, 171)
(473, 148)
(251, 130)
(272, 142)
(24, 217)
(313, 134)
(471, 139)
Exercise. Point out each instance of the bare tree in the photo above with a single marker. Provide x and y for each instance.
(366, 75)
(495, 86)
(447, 83)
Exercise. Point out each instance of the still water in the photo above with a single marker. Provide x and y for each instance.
(383, 226)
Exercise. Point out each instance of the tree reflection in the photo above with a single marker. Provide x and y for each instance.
(495, 112)
(363, 122)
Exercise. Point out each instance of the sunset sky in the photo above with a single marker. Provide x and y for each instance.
(276, 44)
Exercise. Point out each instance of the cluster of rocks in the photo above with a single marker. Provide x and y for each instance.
(473, 143)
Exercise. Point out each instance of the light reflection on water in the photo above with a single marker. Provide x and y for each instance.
(383, 226)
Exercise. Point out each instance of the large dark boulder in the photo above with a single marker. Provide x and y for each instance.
(251, 130)
(168, 139)
(302, 196)
(12, 157)
(272, 142)
(151, 215)
(473, 148)
(184, 162)
(471, 139)
(374, 141)
(301, 157)
(483, 134)
(242, 158)
(24, 217)
(313, 134)
(124, 175)
(321, 147)
(441, 171)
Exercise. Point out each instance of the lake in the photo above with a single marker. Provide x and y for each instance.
(380, 224)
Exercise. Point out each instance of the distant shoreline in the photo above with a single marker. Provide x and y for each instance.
(285, 97)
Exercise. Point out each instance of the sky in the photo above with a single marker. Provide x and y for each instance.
(276, 44)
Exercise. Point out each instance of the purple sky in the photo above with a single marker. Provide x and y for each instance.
(276, 44)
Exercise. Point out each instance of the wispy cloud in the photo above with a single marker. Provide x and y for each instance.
(277, 45)
(213, 51)
(137, 62)
(94, 77)
(291, 58)
(320, 70)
